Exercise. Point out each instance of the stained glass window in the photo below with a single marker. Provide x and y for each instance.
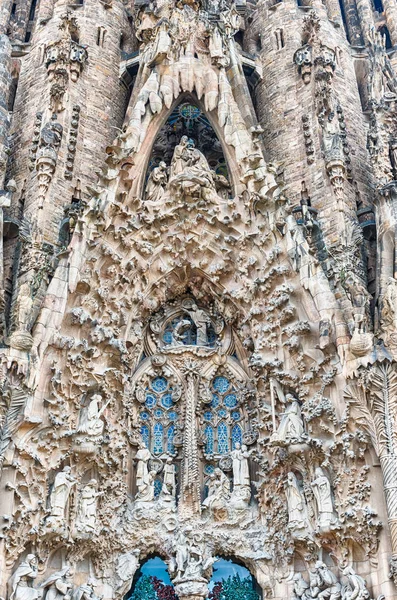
(159, 415)
(158, 438)
(209, 437)
(170, 439)
(220, 429)
(145, 435)
(237, 435)
(223, 439)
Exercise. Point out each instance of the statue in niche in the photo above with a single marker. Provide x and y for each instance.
(20, 583)
(155, 187)
(23, 307)
(218, 494)
(184, 328)
(360, 299)
(240, 456)
(87, 511)
(59, 585)
(323, 495)
(168, 488)
(201, 319)
(142, 457)
(332, 139)
(145, 493)
(182, 553)
(323, 583)
(222, 185)
(86, 591)
(290, 429)
(190, 173)
(90, 420)
(297, 511)
(178, 161)
(63, 484)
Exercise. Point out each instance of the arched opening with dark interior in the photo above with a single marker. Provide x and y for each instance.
(187, 119)
(385, 33)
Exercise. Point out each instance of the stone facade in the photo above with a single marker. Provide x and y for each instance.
(198, 295)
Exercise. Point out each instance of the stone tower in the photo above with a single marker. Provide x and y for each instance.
(198, 296)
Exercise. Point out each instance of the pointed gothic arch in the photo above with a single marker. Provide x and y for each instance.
(158, 121)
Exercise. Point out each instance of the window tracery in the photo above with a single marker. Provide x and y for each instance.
(158, 416)
(222, 418)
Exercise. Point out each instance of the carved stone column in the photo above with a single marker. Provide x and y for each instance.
(383, 390)
(190, 487)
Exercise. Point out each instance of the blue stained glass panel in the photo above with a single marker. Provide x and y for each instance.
(172, 415)
(222, 413)
(230, 400)
(236, 416)
(166, 401)
(221, 384)
(157, 487)
(215, 401)
(167, 336)
(223, 439)
(209, 469)
(150, 400)
(145, 435)
(159, 384)
(158, 438)
(170, 439)
(144, 416)
(209, 435)
(237, 435)
(208, 416)
(158, 413)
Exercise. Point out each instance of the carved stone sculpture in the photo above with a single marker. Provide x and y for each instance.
(218, 494)
(59, 585)
(156, 184)
(87, 511)
(323, 583)
(85, 591)
(322, 492)
(63, 484)
(20, 583)
(297, 509)
(291, 428)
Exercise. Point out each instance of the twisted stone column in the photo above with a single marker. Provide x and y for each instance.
(190, 496)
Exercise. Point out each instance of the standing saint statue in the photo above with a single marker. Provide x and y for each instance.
(323, 495)
(20, 583)
(291, 427)
(201, 319)
(59, 585)
(142, 471)
(296, 504)
(87, 511)
(240, 456)
(63, 484)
